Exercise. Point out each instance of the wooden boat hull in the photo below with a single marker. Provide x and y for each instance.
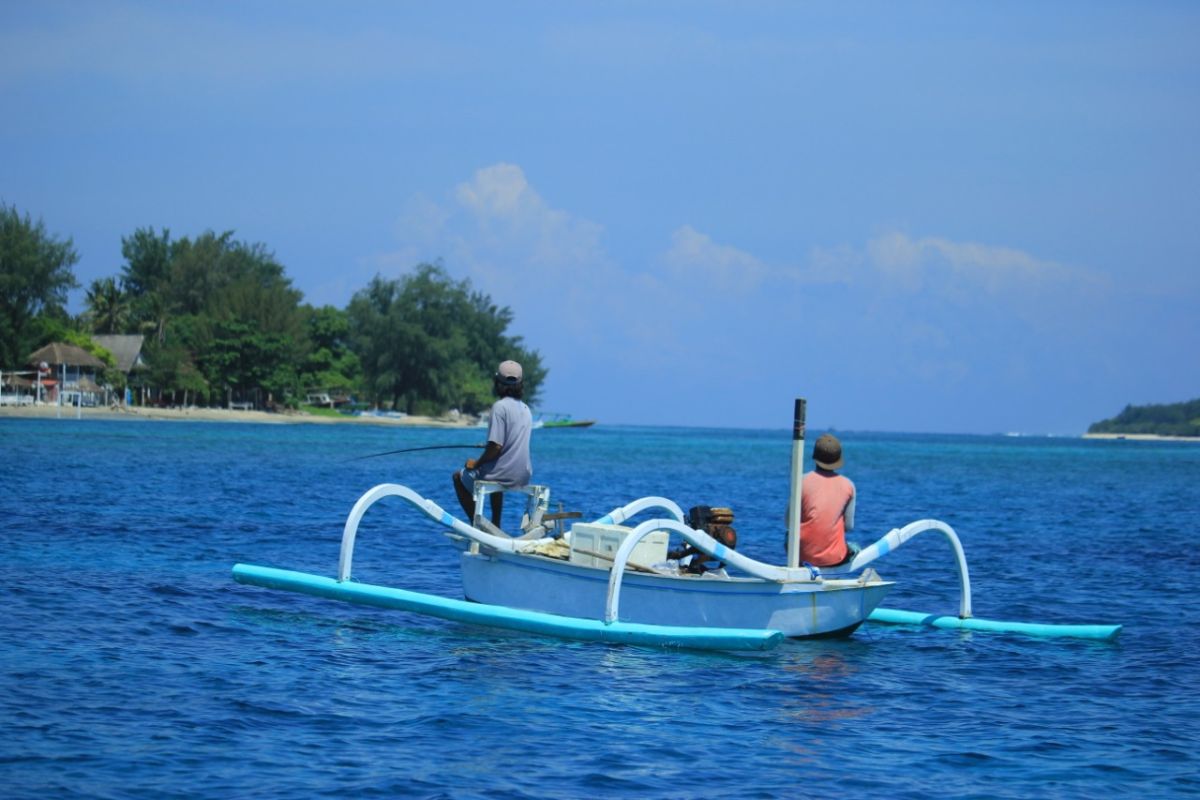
(798, 609)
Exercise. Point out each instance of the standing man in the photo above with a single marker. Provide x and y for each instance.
(505, 458)
(826, 507)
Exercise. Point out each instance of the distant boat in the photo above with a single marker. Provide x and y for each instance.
(563, 421)
(379, 412)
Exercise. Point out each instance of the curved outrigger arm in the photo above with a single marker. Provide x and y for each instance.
(758, 569)
(619, 515)
(430, 509)
(442, 517)
(702, 541)
(898, 536)
(698, 539)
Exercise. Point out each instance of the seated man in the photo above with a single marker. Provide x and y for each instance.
(505, 458)
(826, 507)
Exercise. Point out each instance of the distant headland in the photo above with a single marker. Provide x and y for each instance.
(1167, 421)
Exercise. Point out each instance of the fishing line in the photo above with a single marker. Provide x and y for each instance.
(416, 449)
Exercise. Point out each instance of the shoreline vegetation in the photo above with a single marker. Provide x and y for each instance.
(210, 321)
(1177, 421)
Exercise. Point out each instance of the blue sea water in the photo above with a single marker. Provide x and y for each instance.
(133, 666)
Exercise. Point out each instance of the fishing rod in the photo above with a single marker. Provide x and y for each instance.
(415, 449)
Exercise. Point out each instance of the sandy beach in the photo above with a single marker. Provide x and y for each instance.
(225, 415)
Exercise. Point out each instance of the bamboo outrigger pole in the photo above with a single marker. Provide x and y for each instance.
(793, 537)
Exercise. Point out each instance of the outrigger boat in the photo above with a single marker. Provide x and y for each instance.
(607, 581)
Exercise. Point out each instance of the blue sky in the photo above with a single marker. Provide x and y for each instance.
(931, 217)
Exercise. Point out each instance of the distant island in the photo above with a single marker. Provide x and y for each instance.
(1172, 419)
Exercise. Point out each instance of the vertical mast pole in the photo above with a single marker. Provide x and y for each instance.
(793, 536)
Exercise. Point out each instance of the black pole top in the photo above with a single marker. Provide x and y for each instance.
(798, 419)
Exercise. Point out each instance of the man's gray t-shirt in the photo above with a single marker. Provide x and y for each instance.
(510, 426)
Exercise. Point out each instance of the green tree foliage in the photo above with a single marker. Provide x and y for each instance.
(108, 308)
(1173, 419)
(427, 342)
(329, 364)
(172, 370)
(225, 318)
(35, 275)
(243, 359)
(144, 277)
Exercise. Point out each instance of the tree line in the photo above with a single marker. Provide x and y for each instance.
(223, 321)
(1171, 419)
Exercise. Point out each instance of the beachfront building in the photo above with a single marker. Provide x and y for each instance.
(127, 350)
(17, 387)
(66, 375)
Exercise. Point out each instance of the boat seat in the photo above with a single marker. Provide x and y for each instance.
(537, 501)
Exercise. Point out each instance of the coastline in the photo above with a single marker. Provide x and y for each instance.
(1142, 437)
(194, 414)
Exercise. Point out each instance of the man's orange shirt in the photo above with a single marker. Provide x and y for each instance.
(826, 510)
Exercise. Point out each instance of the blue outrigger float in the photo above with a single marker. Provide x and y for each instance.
(605, 581)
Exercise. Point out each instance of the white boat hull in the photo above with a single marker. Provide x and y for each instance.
(798, 609)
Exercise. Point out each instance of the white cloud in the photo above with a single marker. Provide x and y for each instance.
(511, 214)
(500, 191)
(570, 298)
(694, 256)
(496, 227)
(889, 262)
(842, 264)
(996, 269)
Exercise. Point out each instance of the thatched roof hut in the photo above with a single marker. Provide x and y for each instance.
(126, 349)
(62, 353)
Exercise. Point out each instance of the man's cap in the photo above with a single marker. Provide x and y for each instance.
(827, 452)
(509, 372)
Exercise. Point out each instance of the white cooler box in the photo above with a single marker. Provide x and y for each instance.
(606, 539)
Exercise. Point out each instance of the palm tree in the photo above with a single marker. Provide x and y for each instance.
(107, 306)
